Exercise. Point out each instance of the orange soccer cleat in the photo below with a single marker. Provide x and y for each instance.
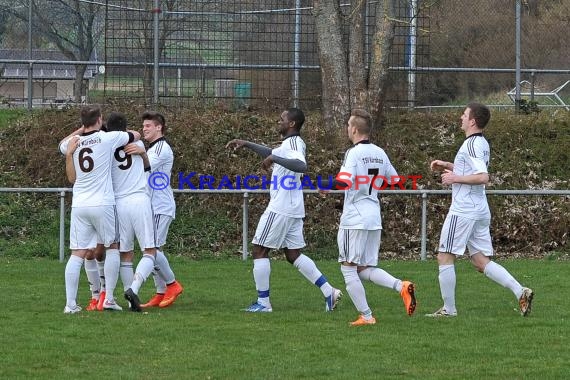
(92, 305)
(154, 301)
(408, 296)
(172, 292)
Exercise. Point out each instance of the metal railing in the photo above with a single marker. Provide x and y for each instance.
(513, 94)
(423, 194)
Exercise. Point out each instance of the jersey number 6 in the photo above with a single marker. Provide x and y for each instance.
(86, 163)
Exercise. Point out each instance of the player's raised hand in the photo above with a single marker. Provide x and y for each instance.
(448, 177)
(134, 149)
(438, 165)
(235, 144)
(267, 162)
(73, 144)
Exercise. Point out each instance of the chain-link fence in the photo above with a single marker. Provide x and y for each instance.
(262, 53)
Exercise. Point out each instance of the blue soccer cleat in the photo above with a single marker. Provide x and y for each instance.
(256, 307)
(332, 300)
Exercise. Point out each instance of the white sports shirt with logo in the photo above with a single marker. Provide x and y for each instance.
(161, 160)
(361, 210)
(470, 201)
(128, 173)
(93, 160)
(285, 193)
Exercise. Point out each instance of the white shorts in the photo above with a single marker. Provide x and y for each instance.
(279, 231)
(360, 247)
(459, 233)
(135, 219)
(161, 224)
(92, 225)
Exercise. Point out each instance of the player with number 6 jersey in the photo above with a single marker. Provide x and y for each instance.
(93, 213)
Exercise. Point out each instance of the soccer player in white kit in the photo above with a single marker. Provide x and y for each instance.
(93, 203)
(467, 223)
(281, 225)
(134, 211)
(161, 160)
(363, 170)
(95, 258)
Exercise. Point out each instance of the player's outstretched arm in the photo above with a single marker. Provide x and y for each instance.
(449, 178)
(139, 150)
(292, 164)
(136, 135)
(262, 150)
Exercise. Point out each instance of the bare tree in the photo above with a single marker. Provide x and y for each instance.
(71, 25)
(348, 80)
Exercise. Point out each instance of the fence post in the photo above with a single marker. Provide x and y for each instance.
(297, 53)
(518, 55)
(423, 253)
(30, 85)
(156, 13)
(244, 232)
(31, 65)
(61, 226)
(532, 81)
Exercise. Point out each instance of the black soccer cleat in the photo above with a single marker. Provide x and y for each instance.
(134, 301)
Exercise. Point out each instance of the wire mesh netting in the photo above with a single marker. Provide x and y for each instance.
(264, 53)
(237, 53)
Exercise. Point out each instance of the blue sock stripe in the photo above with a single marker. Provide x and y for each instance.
(263, 293)
(321, 281)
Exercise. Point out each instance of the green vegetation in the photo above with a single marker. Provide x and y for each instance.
(7, 116)
(528, 152)
(206, 335)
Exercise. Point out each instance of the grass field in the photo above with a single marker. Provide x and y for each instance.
(204, 335)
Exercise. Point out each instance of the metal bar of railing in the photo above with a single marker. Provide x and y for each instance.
(423, 252)
(424, 194)
(61, 226)
(245, 226)
(280, 67)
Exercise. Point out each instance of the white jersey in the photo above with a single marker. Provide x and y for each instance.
(285, 191)
(470, 201)
(361, 209)
(93, 159)
(161, 160)
(128, 173)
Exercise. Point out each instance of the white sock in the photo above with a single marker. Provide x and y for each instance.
(101, 269)
(144, 269)
(447, 287)
(382, 278)
(355, 290)
(72, 273)
(261, 274)
(164, 267)
(126, 273)
(501, 276)
(93, 277)
(159, 282)
(112, 265)
(309, 269)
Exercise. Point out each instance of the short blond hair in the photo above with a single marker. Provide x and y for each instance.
(362, 121)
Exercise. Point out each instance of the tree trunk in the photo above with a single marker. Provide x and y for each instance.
(356, 55)
(333, 62)
(79, 84)
(381, 48)
(346, 81)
